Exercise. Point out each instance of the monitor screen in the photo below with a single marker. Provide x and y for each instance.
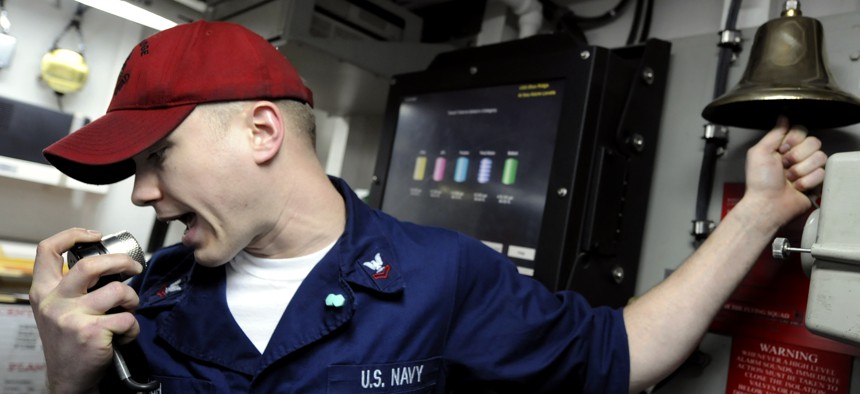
(477, 161)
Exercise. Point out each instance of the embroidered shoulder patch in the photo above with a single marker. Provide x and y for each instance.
(379, 268)
(167, 289)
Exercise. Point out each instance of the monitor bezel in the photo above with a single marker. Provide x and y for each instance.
(580, 68)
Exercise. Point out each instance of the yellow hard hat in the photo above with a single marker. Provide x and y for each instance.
(64, 70)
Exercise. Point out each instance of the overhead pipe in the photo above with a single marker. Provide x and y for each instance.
(716, 136)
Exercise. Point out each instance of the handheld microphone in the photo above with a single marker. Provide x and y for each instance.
(121, 242)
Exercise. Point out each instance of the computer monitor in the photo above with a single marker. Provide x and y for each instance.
(515, 144)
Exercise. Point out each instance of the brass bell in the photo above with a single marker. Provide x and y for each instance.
(787, 75)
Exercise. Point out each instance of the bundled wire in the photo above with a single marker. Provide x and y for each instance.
(642, 14)
(634, 28)
(646, 24)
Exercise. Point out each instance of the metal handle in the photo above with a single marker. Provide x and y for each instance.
(781, 249)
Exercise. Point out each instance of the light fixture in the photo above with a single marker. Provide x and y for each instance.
(124, 9)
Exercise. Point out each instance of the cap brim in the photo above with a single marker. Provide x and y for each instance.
(100, 152)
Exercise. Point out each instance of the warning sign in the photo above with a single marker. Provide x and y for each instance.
(767, 367)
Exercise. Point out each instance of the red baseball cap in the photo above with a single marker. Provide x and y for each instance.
(163, 79)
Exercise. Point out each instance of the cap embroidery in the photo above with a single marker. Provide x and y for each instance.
(123, 77)
(120, 82)
(380, 267)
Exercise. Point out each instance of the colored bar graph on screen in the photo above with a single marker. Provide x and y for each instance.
(420, 167)
(509, 173)
(439, 169)
(485, 169)
(461, 170)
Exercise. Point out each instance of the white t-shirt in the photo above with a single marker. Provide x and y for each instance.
(258, 290)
